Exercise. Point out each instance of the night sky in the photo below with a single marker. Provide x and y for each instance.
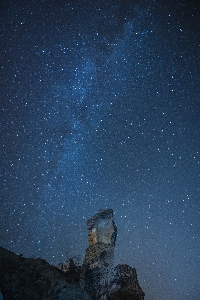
(100, 108)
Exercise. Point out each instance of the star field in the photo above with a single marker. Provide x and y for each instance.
(100, 108)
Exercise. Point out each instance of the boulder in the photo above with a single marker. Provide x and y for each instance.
(125, 285)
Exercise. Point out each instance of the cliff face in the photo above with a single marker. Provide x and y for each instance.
(34, 279)
(31, 279)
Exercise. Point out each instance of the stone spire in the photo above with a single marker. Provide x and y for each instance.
(97, 275)
(102, 233)
(99, 258)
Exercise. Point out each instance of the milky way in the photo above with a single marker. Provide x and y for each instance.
(100, 108)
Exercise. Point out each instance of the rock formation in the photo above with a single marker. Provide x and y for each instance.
(98, 264)
(34, 279)
(125, 285)
(27, 278)
(102, 280)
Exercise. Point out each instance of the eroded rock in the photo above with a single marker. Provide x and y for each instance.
(102, 280)
(125, 285)
(35, 279)
(27, 278)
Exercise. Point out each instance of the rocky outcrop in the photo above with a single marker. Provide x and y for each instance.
(98, 265)
(102, 280)
(125, 285)
(34, 279)
(101, 228)
(71, 271)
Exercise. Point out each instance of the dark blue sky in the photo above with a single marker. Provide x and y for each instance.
(100, 108)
